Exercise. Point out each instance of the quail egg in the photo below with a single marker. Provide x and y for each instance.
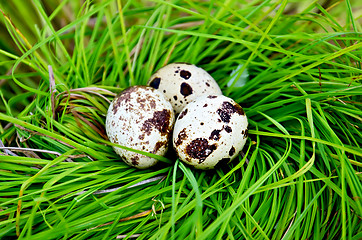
(182, 83)
(209, 131)
(140, 118)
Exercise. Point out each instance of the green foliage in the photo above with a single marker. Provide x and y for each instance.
(298, 177)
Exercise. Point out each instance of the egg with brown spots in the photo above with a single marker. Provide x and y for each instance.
(182, 83)
(209, 131)
(140, 118)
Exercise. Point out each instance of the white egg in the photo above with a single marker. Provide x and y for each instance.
(209, 131)
(182, 83)
(140, 118)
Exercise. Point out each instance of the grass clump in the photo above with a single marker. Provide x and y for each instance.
(295, 68)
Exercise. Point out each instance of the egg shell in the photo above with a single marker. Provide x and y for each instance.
(182, 83)
(209, 131)
(140, 118)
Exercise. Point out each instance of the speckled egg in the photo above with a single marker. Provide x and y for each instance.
(182, 83)
(140, 118)
(209, 131)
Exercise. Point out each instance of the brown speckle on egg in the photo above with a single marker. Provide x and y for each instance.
(215, 135)
(245, 134)
(180, 137)
(123, 96)
(239, 109)
(185, 89)
(141, 101)
(231, 151)
(226, 110)
(152, 103)
(200, 149)
(185, 74)
(134, 160)
(155, 83)
(228, 129)
(158, 146)
(182, 114)
(160, 121)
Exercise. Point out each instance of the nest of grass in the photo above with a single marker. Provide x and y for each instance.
(295, 68)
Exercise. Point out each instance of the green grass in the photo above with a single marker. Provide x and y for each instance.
(299, 176)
